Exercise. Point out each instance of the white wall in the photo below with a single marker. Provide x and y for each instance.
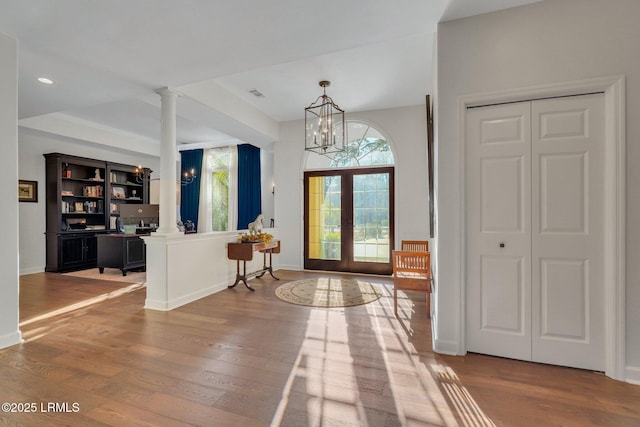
(266, 171)
(31, 166)
(9, 333)
(406, 128)
(548, 42)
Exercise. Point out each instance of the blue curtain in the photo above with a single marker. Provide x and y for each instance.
(190, 193)
(249, 185)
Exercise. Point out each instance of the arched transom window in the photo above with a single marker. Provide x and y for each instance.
(366, 146)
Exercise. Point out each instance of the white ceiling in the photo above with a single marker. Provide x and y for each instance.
(107, 57)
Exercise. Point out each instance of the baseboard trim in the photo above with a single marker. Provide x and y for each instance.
(291, 267)
(445, 347)
(632, 375)
(185, 299)
(10, 339)
(31, 270)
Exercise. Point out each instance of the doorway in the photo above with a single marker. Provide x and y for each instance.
(348, 221)
(535, 219)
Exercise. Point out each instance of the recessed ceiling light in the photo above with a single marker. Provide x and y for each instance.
(357, 125)
(45, 80)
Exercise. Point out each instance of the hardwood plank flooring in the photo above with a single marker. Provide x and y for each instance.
(240, 358)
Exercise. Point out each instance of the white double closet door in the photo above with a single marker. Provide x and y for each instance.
(534, 235)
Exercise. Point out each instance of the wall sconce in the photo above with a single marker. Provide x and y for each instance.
(188, 177)
(273, 189)
(139, 175)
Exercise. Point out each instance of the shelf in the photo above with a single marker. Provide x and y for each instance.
(127, 184)
(87, 232)
(83, 197)
(83, 180)
(82, 213)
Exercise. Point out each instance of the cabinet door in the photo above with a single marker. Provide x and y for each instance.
(72, 252)
(135, 252)
(91, 249)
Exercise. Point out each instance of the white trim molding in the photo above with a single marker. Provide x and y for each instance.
(10, 339)
(633, 375)
(31, 270)
(615, 190)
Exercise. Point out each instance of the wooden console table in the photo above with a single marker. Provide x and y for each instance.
(244, 252)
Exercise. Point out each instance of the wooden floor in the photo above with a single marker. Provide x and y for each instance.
(94, 356)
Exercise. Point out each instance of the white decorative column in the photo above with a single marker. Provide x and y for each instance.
(158, 253)
(167, 162)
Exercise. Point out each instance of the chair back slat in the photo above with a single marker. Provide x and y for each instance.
(415, 245)
(409, 261)
(412, 272)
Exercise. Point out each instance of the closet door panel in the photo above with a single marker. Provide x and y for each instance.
(498, 205)
(567, 231)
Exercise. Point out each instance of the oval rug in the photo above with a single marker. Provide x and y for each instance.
(328, 292)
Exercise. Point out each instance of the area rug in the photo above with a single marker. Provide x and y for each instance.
(328, 292)
(110, 274)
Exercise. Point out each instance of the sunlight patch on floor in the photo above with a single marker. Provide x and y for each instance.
(71, 309)
(324, 365)
(469, 411)
(339, 390)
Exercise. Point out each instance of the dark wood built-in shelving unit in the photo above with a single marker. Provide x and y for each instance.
(83, 200)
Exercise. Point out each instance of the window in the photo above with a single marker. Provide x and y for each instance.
(218, 168)
(366, 146)
(217, 200)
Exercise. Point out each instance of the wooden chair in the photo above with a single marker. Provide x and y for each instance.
(415, 245)
(411, 272)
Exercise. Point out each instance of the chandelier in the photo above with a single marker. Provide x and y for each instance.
(324, 125)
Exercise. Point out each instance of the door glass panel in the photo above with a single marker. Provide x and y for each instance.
(325, 209)
(371, 218)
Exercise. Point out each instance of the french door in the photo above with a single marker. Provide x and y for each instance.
(348, 222)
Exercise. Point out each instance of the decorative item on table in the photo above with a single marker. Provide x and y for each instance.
(130, 228)
(189, 227)
(255, 227)
(256, 238)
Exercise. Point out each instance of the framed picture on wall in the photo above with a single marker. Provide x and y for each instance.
(27, 191)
